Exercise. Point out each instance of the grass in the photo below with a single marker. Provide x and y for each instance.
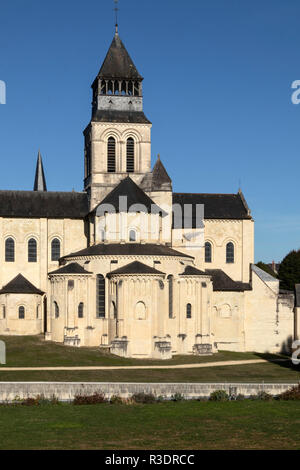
(268, 372)
(34, 351)
(173, 426)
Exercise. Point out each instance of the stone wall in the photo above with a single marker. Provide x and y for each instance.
(67, 391)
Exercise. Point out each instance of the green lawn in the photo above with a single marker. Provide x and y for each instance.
(34, 351)
(269, 372)
(172, 426)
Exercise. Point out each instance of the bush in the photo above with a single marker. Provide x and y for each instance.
(177, 397)
(240, 397)
(262, 396)
(219, 395)
(116, 400)
(143, 398)
(292, 394)
(30, 402)
(94, 399)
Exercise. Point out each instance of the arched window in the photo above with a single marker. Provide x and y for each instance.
(32, 251)
(100, 296)
(55, 249)
(56, 309)
(111, 155)
(21, 313)
(208, 252)
(230, 252)
(132, 236)
(188, 311)
(130, 155)
(10, 250)
(170, 286)
(80, 310)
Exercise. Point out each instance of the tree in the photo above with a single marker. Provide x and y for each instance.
(265, 267)
(289, 271)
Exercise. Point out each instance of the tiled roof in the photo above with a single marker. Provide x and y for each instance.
(20, 285)
(134, 117)
(192, 271)
(222, 282)
(136, 268)
(118, 63)
(134, 194)
(43, 204)
(72, 268)
(216, 206)
(128, 249)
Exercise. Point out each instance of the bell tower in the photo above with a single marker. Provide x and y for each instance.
(118, 137)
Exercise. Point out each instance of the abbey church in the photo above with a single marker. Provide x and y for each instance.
(128, 264)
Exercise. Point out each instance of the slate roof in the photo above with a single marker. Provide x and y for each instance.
(160, 177)
(216, 206)
(40, 180)
(136, 268)
(128, 249)
(263, 275)
(134, 194)
(43, 204)
(134, 117)
(222, 282)
(118, 63)
(297, 295)
(20, 285)
(72, 268)
(192, 271)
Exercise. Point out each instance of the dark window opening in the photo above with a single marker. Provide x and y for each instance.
(10, 250)
(100, 296)
(21, 313)
(55, 250)
(230, 252)
(208, 252)
(170, 285)
(188, 311)
(130, 155)
(111, 155)
(80, 310)
(32, 251)
(56, 310)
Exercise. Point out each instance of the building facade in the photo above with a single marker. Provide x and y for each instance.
(128, 264)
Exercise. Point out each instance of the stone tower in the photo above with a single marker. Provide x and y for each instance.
(118, 138)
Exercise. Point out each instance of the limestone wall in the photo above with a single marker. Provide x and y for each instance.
(67, 391)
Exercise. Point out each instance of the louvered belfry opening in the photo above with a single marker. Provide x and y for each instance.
(130, 155)
(111, 155)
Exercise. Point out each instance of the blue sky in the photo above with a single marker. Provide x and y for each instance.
(217, 88)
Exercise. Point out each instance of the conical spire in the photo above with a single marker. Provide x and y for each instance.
(118, 63)
(160, 178)
(40, 180)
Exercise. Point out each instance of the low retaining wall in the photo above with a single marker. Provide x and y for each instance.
(66, 391)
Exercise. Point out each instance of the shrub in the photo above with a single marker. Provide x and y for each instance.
(30, 402)
(219, 395)
(262, 396)
(116, 400)
(292, 394)
(177, 397)
(160, 399)
(240, 397)
(143, 398)
(94, 399)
